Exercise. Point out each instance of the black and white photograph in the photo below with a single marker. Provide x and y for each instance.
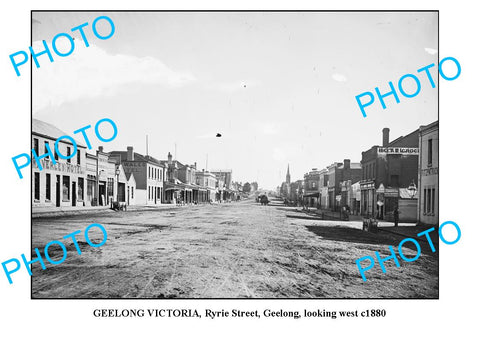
(238, 170)
(235, 154)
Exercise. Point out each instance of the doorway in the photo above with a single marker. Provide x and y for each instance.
(57, 191)
(74, 194)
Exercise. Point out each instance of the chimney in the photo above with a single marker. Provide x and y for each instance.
(100, 148)
(195, 165)
(386, 133)
(169, 158)
(346, 164)
(129, 153)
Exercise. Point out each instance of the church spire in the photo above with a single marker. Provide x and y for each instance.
(288, 174)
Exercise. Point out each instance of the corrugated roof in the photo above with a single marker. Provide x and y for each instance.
(45, 129)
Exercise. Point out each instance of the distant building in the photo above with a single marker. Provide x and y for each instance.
(149, 175)
(296, 192)
(224, 184)
(427, 213)
(186, 174)
(350, 195)
(323, 188)
(311, 192)
(388, 171)
(337, 173)
(208, 181)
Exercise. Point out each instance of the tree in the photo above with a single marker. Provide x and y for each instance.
(247, 187)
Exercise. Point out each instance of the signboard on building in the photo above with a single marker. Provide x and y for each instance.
(366, 186)
(430, 171)
(62, 167)
(405, 151)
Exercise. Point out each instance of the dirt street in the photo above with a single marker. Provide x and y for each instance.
(232, 250)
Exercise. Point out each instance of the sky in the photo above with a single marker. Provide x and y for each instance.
(279, 87)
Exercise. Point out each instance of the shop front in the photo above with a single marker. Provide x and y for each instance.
(368, 196)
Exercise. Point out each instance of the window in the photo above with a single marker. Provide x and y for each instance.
(433, 201)
(132, 191)
(78, 157)
(90, 184)
(429, 200)
(37, 186)
(48, 187)
(424, 201)
(110, 187)
(149, 193)
(35, 145)
(68, 155)
(46, 146)
(430, 152)
(80, 188)
(66, 188)
(55, 153)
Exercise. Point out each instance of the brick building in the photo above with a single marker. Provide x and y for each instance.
(387, 173)
(337, 173)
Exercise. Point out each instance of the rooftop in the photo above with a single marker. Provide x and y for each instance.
(45, 129)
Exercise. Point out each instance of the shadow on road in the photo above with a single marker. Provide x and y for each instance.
(345, 234)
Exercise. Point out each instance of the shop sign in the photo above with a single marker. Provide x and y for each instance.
(366, 186)
(63, 167)
(406, 151)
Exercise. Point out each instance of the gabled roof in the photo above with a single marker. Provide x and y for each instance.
(44, 129)
(130, 176)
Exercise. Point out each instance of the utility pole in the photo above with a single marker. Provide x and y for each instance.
(146, 141)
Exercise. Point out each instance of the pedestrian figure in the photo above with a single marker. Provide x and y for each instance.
(395, 216)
